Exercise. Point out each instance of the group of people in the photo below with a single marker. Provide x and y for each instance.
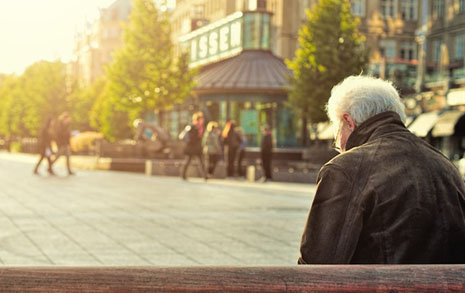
(217, 144)
(57, 130)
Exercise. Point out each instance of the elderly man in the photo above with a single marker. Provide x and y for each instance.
(389, 197)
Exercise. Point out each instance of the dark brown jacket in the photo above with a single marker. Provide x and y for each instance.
(390, 199)
(63, 134)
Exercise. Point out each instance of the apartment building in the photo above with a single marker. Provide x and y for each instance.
(96, 42)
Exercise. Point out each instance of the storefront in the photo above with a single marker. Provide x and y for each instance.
(240, 79)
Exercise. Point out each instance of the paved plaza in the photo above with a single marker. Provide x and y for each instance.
(125, 219)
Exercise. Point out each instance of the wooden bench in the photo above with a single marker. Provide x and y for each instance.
(328, 278)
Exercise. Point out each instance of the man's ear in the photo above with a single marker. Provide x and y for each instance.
(349, 121)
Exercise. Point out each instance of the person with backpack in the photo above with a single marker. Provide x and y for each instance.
(192, 135)
(212, 146)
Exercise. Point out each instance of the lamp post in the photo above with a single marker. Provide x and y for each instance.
(420, 34)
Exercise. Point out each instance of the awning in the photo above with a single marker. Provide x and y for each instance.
(456, 97)
(423, 123)
(445, 124)
(251, 72)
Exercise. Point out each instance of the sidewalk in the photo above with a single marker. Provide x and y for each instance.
(120, 218)
(90, 163)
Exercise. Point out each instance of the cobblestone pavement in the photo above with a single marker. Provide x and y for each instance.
(125, 219)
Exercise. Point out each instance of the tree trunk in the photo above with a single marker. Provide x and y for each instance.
(304, 131)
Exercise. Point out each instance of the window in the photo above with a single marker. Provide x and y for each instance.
(409, 9)
(459, 44)
(387, 48)
(438, 8)
(388, 8)
(358, 7)
(437, 50)
(408, 50)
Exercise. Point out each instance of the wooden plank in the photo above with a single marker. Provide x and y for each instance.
(328, 278)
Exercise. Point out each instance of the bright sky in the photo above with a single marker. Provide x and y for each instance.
(32, 30)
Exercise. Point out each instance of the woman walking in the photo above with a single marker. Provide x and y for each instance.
(232, 140)
(45, 149)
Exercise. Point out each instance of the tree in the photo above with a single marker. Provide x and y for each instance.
(27, 100)
(12, 107)
(82, 100)
(44, 93)
(145, 76)
(106, 117)
(331, 48)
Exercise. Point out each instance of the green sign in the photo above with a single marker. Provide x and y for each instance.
(228, 37)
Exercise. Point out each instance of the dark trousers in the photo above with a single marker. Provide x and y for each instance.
(42, 156)
(231, 160)
(66, 151)
(266, 163)
(188, 161)
(212, 161)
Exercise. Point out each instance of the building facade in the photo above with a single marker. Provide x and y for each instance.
(239, 49)
(287, 16)
(96, 42)
(389, 27)
(441, 91)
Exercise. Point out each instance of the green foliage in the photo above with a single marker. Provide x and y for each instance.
(331, 48)
(44, 92)
(26, 101)
(104, 115)
(81, 102)
(145, 75)
(11, 107)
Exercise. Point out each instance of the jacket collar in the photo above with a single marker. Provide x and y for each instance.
(376, 126)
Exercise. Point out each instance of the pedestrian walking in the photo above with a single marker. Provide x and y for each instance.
(266, 153)
(192, 135)
(44, 145)
(62, 139)
(241, 151)
(232, 141)
(212, 146)
(388, 197)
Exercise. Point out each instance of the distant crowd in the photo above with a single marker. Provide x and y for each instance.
(209, 143)
(213, 144)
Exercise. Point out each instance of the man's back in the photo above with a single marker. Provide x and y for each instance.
(391, 198)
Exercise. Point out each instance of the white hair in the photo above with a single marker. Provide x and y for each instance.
(363, 97)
